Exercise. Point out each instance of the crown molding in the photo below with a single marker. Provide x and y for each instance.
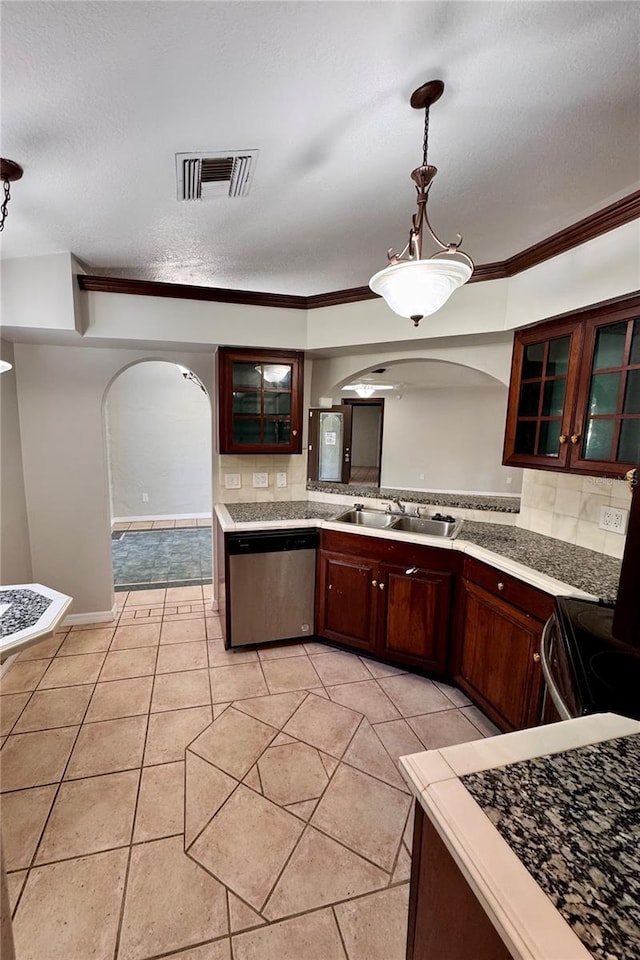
(615, 215)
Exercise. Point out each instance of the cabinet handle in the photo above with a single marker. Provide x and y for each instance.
(381, 585)
(374, 583)
(536, 658)
(411, 570)
(295, 433)
(562, 438)
(575, 437)
(501, 587)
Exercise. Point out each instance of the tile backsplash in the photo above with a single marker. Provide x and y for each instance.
(567, 507)
(294, 466)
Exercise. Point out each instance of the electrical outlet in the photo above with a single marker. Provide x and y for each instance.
(145, 498)
(421, 476)
(613, 519)
(261, 479)
(281, 479)
(232, 481)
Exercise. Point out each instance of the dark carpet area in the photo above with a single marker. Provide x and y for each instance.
(146, 559)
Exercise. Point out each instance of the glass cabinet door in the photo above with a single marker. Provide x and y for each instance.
(260, 401)
(607, 426)
(542, 386)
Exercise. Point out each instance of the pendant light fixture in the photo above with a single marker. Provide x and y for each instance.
(412, 285)
(9, 171)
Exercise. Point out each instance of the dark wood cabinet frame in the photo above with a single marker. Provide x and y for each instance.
(582, 325)
(227, 356)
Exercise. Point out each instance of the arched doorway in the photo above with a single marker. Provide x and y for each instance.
(158, 438)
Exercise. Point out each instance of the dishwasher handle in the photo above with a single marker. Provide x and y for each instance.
(545, 663)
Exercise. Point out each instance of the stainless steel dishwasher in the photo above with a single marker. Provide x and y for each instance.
(270, 585)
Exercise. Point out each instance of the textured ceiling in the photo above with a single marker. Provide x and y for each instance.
(538, 126)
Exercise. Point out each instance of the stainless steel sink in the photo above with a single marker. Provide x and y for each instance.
(382, 520)
(434, 528)
(368, 518)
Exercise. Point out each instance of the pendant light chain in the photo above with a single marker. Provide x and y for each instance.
(425, 142)
(3, 207)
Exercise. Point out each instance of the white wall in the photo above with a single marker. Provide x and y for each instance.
(38, 293)
(447, 439)
(159, 443)
(15, 553)
(61, 391)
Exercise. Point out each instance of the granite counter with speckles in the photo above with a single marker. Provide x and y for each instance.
(28, 612)
(544, 826)
(572, 819)
(549, 564)
(466, 501)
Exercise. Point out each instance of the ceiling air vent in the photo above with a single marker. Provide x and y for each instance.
(204, 176)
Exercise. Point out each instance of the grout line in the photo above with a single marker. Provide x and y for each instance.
(53, 803)
(337, 923)
(133, 824)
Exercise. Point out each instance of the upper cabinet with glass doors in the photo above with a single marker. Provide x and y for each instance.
(260, 396)
(574, 396)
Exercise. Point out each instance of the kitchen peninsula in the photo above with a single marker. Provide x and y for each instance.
(469, 609)
(531, 839)
(555, 566)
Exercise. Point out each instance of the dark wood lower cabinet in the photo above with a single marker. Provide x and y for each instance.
(446, 920)
(346, 597)
(434, 610)
(498, 659)
(415, 615)
(382, 596)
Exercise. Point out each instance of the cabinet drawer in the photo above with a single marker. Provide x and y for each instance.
(510, 589)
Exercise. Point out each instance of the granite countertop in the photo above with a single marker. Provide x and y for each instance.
(28, 612)
(466, 501)
(554, 564)
(543, 825)
(572, 820)
(595, 573)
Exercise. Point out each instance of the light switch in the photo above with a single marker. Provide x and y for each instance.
(232, 481)
(261, 479)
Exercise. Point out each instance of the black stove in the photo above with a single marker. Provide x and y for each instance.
(596, 673)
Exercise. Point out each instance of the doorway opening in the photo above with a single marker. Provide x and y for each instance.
(158, 433)
(345, 442)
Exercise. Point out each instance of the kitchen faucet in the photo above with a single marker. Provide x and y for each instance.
(401, 507)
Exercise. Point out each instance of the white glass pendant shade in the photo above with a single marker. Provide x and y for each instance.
(4, 366)
(417, 288)
(274, 372)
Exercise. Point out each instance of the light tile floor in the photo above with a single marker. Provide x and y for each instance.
(163, 797)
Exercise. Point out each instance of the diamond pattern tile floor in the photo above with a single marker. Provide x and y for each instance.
(164, 797)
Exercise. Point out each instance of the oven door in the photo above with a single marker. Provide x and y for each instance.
(561, 699)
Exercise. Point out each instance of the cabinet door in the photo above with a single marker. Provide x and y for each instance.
(347, 595)
(606, 433)
(414, 618)
(542, 391)
(260, 396)
(499, 661)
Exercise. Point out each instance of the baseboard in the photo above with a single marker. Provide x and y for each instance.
(162, 516)
(99, 616)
